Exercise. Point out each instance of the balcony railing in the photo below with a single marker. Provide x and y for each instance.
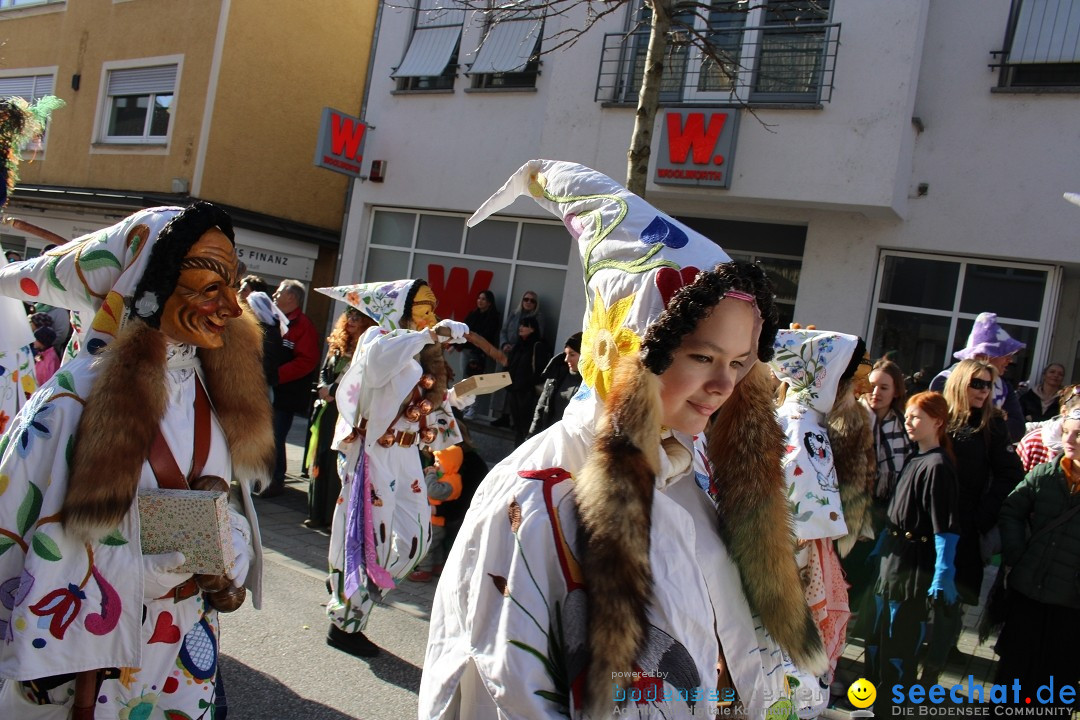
(746, 65)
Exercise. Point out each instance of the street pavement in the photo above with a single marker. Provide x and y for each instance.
(275, 661)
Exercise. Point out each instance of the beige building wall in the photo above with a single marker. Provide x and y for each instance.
(78, 38)
(279, 64)
(282, 63)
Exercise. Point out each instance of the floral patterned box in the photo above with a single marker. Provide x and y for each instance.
(195, 522)
(482, 384)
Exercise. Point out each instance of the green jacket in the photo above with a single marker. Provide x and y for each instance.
(1045, 568)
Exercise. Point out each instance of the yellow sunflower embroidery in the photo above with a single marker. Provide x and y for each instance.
(29, 384)
(605, 340)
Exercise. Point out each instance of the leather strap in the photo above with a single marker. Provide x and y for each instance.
(161, 459)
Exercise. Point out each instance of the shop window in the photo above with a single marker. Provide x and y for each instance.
(776, 51)
(139, 103)
(1042, 45)
(509, 54)
(924, 308)
(30, 88)
(492, 238)
(9, 4)
(431, 58)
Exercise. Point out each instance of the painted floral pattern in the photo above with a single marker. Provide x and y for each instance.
(606, 338)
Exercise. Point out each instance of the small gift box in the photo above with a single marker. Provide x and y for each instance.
(194, 522)
(482, 384)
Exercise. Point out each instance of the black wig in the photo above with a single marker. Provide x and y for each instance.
(406, 314)
(172, 246)
(696, 300)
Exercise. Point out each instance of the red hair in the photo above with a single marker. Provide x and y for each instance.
(934, 406)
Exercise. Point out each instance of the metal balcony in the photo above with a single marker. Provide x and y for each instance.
(773, 64)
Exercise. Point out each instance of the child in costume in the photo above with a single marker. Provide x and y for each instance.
(167, 390)
(593, 568)
(819, 408)
(391, 402)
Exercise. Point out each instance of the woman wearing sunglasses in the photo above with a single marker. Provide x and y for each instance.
(987, 470)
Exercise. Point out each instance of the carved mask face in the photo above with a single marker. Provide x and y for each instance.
(423, 308)
(205, 296)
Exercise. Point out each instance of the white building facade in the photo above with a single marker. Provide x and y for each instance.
(898, 167)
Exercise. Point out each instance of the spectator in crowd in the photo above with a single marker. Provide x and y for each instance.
(1043, 442)
(483, 320)
(526, 367)
(46, 361)
(561, 383)
(295, 376)
(325, 485)
(1040, 538)
(918, 548)
(61, 324)
(1041, 402)
(253, 283)
(508, 337)
(987, 470)
(13, 256)
(274, 325)
(989, 342)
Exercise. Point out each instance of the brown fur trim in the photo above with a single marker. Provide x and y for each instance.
(614, 496)
(746, 448)
(115, 432)
(236, 385)
(852, 443)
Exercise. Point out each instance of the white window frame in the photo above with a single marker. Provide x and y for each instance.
(155, 144)
(13, 5)
(1044, 325)
(37, 145)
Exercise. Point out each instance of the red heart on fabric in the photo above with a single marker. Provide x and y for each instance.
(164, 630)
(669, 280)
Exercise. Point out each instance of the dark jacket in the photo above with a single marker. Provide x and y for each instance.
(1032, 406)
(1046, 567)
(525, 364)
(560, 385)
(987, 470)
(485, 324)
(273, 352)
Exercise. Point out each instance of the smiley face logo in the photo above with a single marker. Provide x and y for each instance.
(862, 693)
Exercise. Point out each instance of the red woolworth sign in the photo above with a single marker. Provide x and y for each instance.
(696, 147)
(341, 143)
(456, 296)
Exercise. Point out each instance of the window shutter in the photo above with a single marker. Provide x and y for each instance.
(508, 46)
(28, 87)
(1047, 31)
(433, 41)
(159, 80)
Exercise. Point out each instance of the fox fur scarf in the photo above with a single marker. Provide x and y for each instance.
(125, 407)
(614, 497)
(852, 440)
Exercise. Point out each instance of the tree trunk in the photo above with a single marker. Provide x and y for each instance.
(637, 165)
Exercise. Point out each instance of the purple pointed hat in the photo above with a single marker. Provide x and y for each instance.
(988, 338)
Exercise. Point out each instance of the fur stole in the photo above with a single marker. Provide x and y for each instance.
(852, 443)
(127, 402)
(746, 448)
(614, 497)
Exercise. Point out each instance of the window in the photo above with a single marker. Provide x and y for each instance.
(4, 4)
(925, 305)
(138, 104)
(431, 60)
(509, 56)
(1042, 45)
(29, 88)
(775, 51)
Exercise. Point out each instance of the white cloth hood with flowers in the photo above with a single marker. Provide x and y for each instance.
(811, 362)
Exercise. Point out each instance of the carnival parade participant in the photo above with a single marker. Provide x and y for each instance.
(592, 568)
(392, 400)
(828, 467)
(166, 391)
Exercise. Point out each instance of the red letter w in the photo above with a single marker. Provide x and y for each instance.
(455, 296)
(693, 136)
(345, 136)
